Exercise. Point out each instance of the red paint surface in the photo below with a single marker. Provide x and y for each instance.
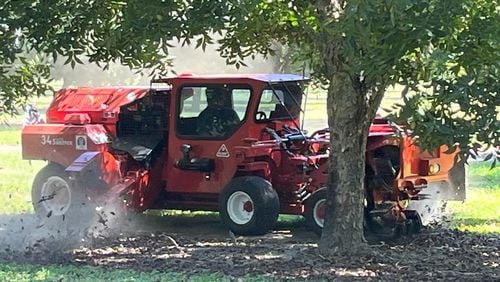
(93, 112)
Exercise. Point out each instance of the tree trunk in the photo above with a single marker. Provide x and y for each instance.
(352, 103)
(349, 117)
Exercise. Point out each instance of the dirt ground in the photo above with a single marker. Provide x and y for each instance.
(200, 244)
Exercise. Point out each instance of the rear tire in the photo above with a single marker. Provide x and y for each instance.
(249, 205)
(315, 208)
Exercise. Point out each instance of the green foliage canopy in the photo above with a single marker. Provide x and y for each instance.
(455, 82)
(447, 52)
(134, 33)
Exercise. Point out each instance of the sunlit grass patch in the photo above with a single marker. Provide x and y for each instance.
(10, 135)
(480, 174)
(316, 109)
(16, 176)
(481, 210)
(28, 272)
(479, 213)
(177, 216)
(290, 221)
(187, 217)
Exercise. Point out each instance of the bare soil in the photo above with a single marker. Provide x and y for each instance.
(200, 244)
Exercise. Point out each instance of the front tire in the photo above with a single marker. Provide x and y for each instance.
(315, 210)
(249, 206)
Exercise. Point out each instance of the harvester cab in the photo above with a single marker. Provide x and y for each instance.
(229, 143)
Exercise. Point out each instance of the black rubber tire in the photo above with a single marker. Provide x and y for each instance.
(80, 211)
(414, 225)
(266, 205)
(311, 223)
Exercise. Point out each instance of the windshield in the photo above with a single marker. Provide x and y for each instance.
(280, 101)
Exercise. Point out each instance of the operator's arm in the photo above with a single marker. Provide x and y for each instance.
(204, 122)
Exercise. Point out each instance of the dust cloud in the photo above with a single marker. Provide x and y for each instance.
(432, 206)
(27, 237)
(186, 59)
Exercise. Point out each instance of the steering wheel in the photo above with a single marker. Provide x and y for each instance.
(260, 115)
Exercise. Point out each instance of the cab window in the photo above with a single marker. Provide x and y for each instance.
(280, 102)
(211, 111)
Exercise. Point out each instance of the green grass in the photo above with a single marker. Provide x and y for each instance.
(316, 102)
(16, 176)
(479, 174)
(28, 272)
(316, 109)
(180, 218)
(10, 135)
(480, 213)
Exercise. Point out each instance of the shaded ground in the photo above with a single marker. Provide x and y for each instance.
(200, 244)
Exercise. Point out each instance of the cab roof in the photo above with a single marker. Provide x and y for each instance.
(272, 77)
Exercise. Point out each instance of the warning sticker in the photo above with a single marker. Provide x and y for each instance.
(223, 152)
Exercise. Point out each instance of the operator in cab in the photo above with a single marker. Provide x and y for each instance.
(218, 119)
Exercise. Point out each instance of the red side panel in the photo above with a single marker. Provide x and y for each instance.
(433, 168)
(62, 143)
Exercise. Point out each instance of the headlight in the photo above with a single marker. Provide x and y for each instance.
(434, 168)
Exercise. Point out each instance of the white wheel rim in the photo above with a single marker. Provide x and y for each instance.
(56, 195)
(318, 212)
(240, 207)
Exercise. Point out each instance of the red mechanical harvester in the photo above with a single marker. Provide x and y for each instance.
(231, 144)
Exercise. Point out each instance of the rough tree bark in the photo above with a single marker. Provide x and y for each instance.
(344, 219)
(351, 105)
(349, 119)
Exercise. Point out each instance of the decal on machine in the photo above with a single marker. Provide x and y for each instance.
(57, 141)
(81, 142)
(223, 152)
